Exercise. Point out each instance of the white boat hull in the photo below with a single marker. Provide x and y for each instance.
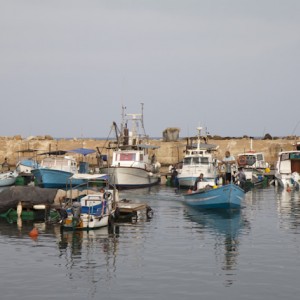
(131, 177)
(288, 180)
(288, 169)
(296, 180)
(189, 181)
(92, 212)
(87, 222)
(8, 178)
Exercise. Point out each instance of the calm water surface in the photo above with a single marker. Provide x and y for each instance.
(180, 253)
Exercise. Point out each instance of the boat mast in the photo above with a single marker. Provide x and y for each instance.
(123, 119)
(199, 137)
(251, 143)
(142, 119)
(136, 119)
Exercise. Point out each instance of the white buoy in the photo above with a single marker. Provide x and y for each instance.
(19, 209)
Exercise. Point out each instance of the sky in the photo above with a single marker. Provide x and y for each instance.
(68, 66)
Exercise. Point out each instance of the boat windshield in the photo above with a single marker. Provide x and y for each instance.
(127, 157)
(250, 160)
(57, 162)
(290, 155)
(195, 160)
(259, 157)
(295, 155)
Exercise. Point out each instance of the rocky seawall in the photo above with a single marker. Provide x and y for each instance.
(172, 152)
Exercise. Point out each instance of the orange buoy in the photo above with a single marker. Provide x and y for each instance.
(33, 233)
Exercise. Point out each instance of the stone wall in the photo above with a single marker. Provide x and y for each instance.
(15, 148)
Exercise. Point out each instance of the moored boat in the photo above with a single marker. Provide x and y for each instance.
(288, 169)
(131, 165)
(55, 171)
(36, 213)
(199, 159)
(8, 178)
(254, 166)
(92, 211)
(227, 196)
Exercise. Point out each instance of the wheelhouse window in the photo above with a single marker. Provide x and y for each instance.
(250, 160)
(187, 160)
(295, 156)
(204, 160)
(196, 160)
(260, 157)
(127, 157)
(200, 160)
(285, 156)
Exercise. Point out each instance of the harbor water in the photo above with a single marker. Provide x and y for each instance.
(180, 253)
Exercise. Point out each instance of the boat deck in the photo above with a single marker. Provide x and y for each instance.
(125, 207)
(134, 211)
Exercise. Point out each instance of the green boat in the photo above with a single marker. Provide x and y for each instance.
(32, 215)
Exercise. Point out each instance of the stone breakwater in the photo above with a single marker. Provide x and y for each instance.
(15, 148)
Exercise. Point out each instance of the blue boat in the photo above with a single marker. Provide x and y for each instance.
(227, 196)
(50, 178)
(55, 171)
(226, 222)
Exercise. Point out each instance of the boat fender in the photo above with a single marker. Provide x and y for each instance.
(19, 209)
(107, 195)
(39, 206)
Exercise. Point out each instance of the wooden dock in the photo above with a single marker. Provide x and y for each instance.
(130, 210)
(125, 207)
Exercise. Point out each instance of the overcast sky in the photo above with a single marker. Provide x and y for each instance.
(68, 66)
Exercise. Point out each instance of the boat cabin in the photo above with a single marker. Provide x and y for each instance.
(196, 160)
(252, 160)
(129, 159)
(289, 162)
(66, 163)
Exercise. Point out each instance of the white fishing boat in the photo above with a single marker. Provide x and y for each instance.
(131, 165)
(199, 159)
(288, 169)
(27, 161)
(253, 164)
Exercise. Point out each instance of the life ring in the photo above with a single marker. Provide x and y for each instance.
(107, 195)
(242, 160)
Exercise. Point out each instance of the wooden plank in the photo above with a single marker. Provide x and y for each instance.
(131, 207)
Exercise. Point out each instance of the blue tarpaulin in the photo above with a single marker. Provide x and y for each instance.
(83, 151)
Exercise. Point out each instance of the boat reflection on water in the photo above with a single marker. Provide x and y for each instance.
(89, 254)
(288, 207)
(225, 227)
(20, 231)
(76, 240)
